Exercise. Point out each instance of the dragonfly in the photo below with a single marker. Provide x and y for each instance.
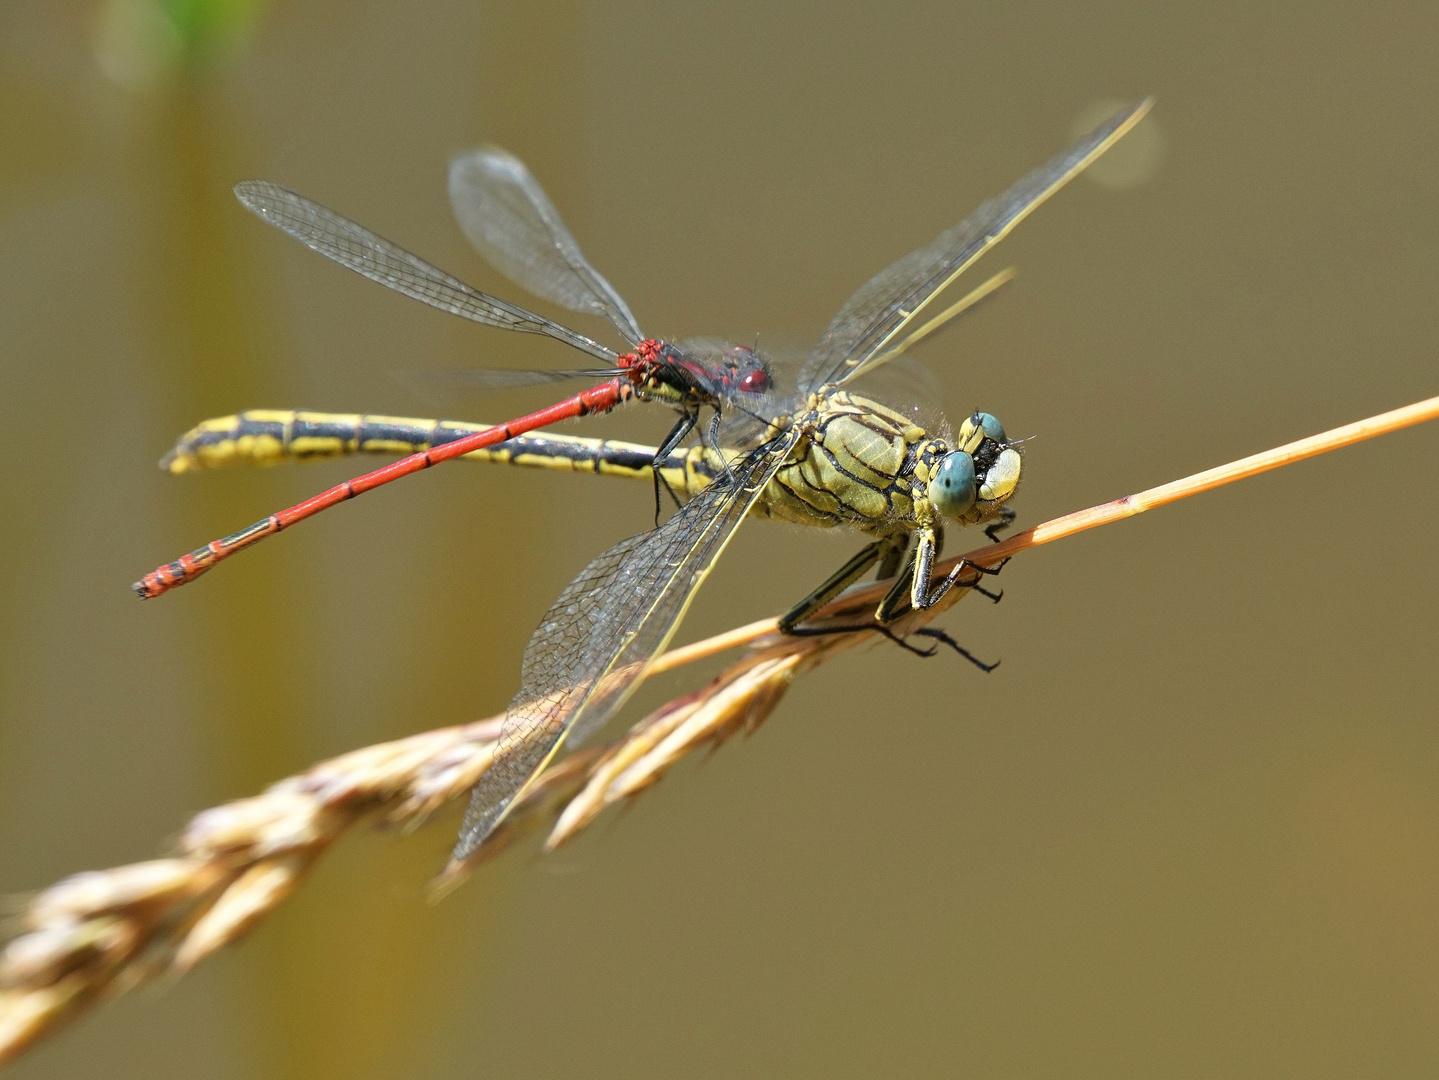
(842, 458)
(508, 217)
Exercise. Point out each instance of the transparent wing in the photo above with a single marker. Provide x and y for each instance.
(501, 378)
(467, 387)
(360, 250)
(598, 638)
(512, 223)
(946, 318)
(872, 319)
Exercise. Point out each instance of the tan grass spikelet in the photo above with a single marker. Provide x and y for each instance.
(707, 715)
(246, 900)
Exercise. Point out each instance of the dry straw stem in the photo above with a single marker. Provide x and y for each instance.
(97, 934)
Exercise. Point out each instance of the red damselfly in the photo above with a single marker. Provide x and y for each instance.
(507, 216)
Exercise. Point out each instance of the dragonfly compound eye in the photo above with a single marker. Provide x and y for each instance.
(991, 426)
(953, 490)
(977, 428)
(1002, 477)
(755, 382)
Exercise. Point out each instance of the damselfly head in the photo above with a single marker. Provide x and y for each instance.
(973, 482)
(746, 371)
(712, 370)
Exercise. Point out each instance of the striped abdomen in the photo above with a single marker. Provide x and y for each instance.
(275, 436)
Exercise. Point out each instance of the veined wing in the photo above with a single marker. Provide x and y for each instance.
(462, 387)
(945, 319)
(512, 223)
(598, 639)
(871, 320)
(376, 258)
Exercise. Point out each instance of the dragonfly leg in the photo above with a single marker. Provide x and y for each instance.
(891, 564)
(886, 552)
(940, 636)
(993, 598)
(683, 426)
(898, 594)
(714, 444)
(931, 632)
(922, 592)
(1006, 519)
(896, 639)
(836, 583)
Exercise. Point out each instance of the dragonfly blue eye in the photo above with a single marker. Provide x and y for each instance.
(991, 425)
(953, 489)
(976, 429)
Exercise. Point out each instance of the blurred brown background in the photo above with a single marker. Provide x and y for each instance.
(1190, 828)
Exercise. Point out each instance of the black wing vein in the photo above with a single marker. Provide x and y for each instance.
(886, 303)
(356, 248)
(511, 222)
(596, 641)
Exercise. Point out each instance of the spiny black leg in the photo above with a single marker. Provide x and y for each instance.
(898, 596)
(662, 482)
(993, 598)
(835, 584)
(683, 426)
(714, 444)
(933, 594)
(943, 638)
(930, 632)
(988, 571)
(1006, 519)
(892, 563)
(857, 628)
(863, 628)
(821, 631)
(906, 646)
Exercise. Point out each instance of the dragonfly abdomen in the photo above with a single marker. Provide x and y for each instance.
(272, 436)
(277, 436)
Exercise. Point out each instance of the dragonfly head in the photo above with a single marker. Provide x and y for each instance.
(974, 480)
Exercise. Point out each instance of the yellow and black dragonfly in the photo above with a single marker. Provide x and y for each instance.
(845, 459)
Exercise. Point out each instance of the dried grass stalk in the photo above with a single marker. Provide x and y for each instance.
(97, 934)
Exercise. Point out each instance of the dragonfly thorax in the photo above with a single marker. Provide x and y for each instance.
(870, 467)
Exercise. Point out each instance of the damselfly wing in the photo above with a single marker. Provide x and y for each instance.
(509, 218)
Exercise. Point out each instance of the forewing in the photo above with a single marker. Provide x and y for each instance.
(464, 388)
(890, 301)
(598, 638)
(376, 258)
(512, 223)
(945, 319)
